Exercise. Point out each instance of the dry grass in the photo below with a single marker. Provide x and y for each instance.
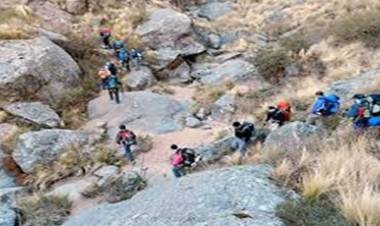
(206, 96)
(145, 143)
(344, 168)
(44, 210)
(16, 22)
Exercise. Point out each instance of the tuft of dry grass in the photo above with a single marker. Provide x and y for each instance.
(145, 143)
(206, 96)
(16, 22)
(44, 210)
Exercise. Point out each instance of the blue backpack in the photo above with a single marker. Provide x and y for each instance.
(122, 55)
(118, 44)
(374, 121)
(326, 105)
(333, 104)
(112, 82)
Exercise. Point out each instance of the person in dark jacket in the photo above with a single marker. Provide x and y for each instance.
(127, 139)
(243, 134)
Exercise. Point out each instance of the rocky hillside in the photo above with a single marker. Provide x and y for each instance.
(206, 64)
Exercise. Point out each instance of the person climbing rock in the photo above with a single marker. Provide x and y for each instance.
(278, 115)
(111, 67)
(177, 161)
(365, 111)
(127, 139)
(324, 106)
(243, 134)
(113, 87)
(136, 58)
(106, 36)
(103, 75)
(123, 57)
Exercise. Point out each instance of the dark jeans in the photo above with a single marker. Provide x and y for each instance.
(178, 171)
(107, 42)
(128, 152)
(114, 94)
(126, 65)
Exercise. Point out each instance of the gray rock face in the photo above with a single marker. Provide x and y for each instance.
(181, 74)
(224, 108)
(36, 68)
(216, 150)
(7, 215)
(369, 81)
(293, 137)
(193, 122)
(76, 6)
(213, 10)
(232, 70)
(140, 111)
(5, 180)
(141, 79)
(44, 146)
(208, 198)
(170, 34)
(35, 112)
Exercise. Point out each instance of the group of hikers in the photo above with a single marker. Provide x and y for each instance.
(109, 73)
(364, 112)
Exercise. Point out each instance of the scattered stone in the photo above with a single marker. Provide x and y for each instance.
(44, 146)
(193, 122)
(215, 41)
(35, 112)
(36, 68)
(140, 79)
(105, 174)
(181, 74)
(211, 198)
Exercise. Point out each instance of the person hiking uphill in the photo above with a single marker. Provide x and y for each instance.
(324, 106)
(127, 139)
(365, 111)
(106, 36)
(183, 158)
(278, 115)
(243, 134)
(111, 67)
(103, 75)
(113, 87)
(123, 57)
(136, 57)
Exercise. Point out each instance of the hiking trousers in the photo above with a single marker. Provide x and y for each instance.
(114, 94)
(178, 171)
(128, 152)
(240, 145)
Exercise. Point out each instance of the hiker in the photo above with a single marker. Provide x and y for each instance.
(103, 75)
(243, 134)
(278, 115)
(118, 46)
(324, 106)
(365, 111)
(126, 138)
(177, 161)
(105, 35)
(113, 86)
(111, 67)
(123, 57)
(136, 57)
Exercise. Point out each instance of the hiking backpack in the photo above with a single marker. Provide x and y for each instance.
(247, 127)
(332, 104)
(127, 136)
(285, 109)
(112, 82)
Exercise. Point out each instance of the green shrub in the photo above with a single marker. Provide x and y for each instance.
(306, 213)
(271, 63)
(124, 188)
(44, 210)
(360, 26)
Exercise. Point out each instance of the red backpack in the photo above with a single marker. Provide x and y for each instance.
(127, 135)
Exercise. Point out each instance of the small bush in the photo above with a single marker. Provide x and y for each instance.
(304, 213)
(16, 22)
(271, 63)
(361, 26)
(106, 156)
(205, 96)
(91, 191)
(124, 188)
(145, 143)
(44, 210)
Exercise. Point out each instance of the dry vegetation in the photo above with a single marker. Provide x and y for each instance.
(16, 22)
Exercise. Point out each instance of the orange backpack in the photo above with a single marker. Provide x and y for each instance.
(285, 108)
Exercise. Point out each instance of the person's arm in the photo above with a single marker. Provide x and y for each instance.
(118, 138)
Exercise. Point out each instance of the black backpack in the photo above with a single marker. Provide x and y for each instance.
(247, 127)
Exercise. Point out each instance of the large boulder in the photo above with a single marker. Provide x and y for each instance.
(170, 34)
(293, 137)
(140, 79)
(44, 146)
(36, 68)
(367, 82)
(213, 10)
(141, 111)
(216, 150)
(210, 198)
(224, 108)
(7, 215)
(180, 74)
(229, 71)
(35, 112)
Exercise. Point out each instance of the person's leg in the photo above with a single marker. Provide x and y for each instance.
(243, 146)
(110, 93)
(128, 153)
(117, 95)
(177, 172)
